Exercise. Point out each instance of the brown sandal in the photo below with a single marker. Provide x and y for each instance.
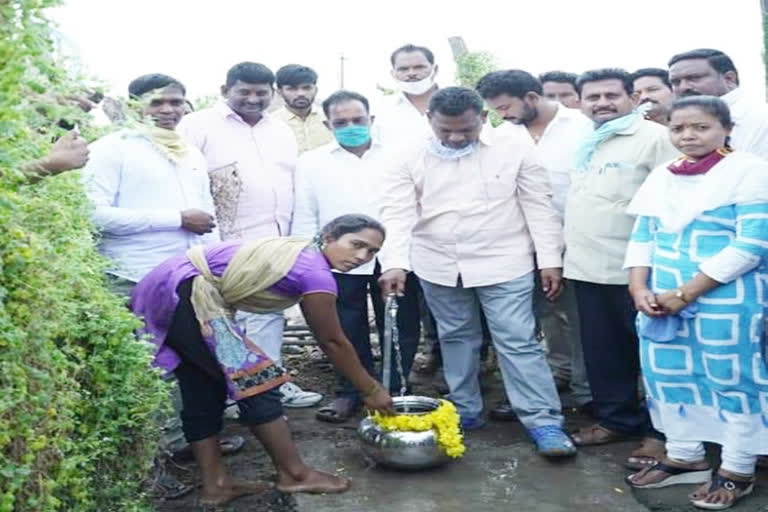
(595, 435)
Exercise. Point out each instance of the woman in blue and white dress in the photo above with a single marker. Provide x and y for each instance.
(698, 277)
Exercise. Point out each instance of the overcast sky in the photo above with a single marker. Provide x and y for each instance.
(196, 41)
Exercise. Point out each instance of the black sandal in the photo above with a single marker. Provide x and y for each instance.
(338, 411)
(738, 488)
(677, 476)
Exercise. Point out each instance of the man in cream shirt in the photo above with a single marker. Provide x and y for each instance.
(557, 132)
(611, 164)
(338, 179)
(466, 215)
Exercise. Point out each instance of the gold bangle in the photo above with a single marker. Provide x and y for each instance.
(680, 294)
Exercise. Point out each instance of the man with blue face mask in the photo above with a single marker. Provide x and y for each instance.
(466, 215)
(336, 179)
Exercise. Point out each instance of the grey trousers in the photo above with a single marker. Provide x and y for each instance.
(559, 321)
(508, 308)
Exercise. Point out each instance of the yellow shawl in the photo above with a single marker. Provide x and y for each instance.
(245, 283)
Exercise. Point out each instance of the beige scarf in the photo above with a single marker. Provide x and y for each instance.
(245, 283)
(168, 142)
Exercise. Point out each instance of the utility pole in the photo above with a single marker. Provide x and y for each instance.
(342, 58)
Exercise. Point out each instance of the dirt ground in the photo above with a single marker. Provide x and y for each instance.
(501, 465)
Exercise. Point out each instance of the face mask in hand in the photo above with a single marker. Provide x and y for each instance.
(353, 136)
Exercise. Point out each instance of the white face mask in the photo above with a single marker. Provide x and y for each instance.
(417, 88)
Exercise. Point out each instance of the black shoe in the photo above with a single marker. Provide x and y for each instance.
(503, 412)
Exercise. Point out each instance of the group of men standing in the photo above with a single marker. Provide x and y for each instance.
(486, 223)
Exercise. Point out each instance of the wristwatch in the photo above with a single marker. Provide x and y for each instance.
(680, 294)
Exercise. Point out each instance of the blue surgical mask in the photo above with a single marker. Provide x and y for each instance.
(353, 136)
(444, 152)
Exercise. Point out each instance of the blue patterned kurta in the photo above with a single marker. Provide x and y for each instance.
(710, 383)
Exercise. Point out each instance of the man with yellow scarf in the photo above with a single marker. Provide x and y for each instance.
(151, 199)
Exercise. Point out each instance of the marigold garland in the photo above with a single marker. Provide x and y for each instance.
(444, 420)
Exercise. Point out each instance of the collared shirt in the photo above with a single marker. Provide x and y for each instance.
(480, 216)
(251, 170)
(399, 123)
(310, 133)
(138, 196)
(597, 227)
(557, 147)
(750, 118)
(331, 181)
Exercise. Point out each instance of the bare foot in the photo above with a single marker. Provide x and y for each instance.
(314, 482)
(651, 475)
(233, 490)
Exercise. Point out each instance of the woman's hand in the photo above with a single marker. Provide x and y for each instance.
(379, 400)
(646, 302)
(669, 303)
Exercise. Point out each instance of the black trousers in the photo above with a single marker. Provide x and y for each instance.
(612, 356)
(202, 383)
(352, 305)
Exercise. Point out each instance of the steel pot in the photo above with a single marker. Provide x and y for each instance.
(403, 449)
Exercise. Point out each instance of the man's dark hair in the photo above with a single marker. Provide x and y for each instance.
(250, 73)
(408, 48)
(152, 81)
(596, 75)
(344, 96)
(709, 104)
(513, 82)
(662, 74)
(454, 101)
(719, 61)
(560, 77)
(295, 75)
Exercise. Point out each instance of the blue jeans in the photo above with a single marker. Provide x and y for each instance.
(508, 308)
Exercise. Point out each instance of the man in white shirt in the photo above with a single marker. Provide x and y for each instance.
(466, 215)
(653, 93)
(151, 201)
(557, 132)
(251, 160)
(400, 120)
(711, 72)
(402, 117)
(149, 187)
(561, 87)
(337, 179)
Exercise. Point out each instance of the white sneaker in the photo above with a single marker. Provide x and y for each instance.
(296, 398)
(231, 410)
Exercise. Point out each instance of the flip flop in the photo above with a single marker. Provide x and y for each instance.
(677, 476)
(737, 488)
(596, 435)
(338, 411)
(650, 451)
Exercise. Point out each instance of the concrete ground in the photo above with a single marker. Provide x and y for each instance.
(500, 471)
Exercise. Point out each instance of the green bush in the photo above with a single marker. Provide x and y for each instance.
(77, 396)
